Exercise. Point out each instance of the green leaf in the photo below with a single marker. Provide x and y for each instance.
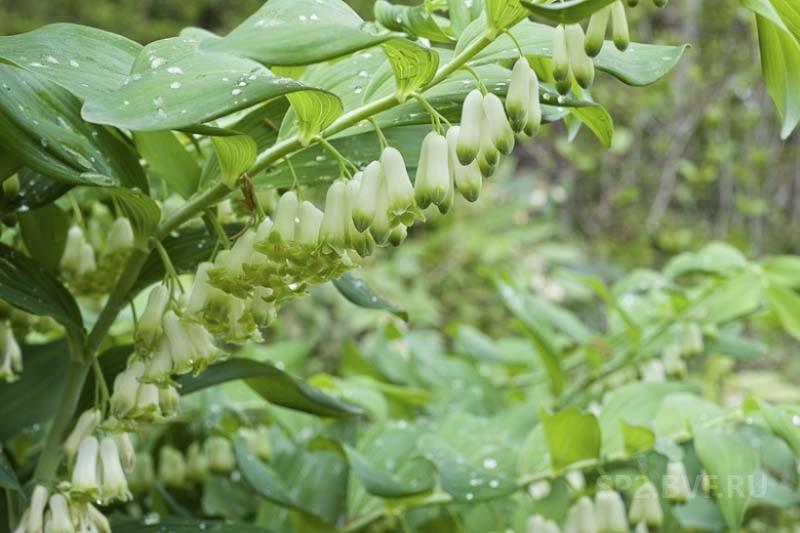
(169, 160)
(416, 20)
(734, 298)
(8, 478)
(357, 292)
(413, 66)
(235, 155)
(597, 119)
(264, 480)
(177, 85)
(272, 384)
(679, 412)
(298, 32)
(572, 437)
(785, 304)
(459, 14)
(780, 67)
(86, 61)
(781, 423)
(35, 191)
(40, 125)
(25, 284)
(715, 258)
(473, 342)
(637, 439)
(569, 12)
(783, 270)
(732, 465)
(44, 232)
(699, 513)
(143, 212)
(36, 396)
(311, 113)
(183, 525)
(789, 12)
(503, 14)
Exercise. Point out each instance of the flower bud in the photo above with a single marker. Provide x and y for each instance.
(115, 486)
(486, 167)
(10, 354)
(362, 243)
(447, 204)
(488, 151)
(127, 454)
(196, 463)
(561, 64)
(120, 237)
(84, 427)
(180, 347)
(398, 235)
(585, 519)
(398, 186)
(676, 483)
(518, 95)
(286, 215)
(262, 306)
(674, 365)
(307, 230)
(169, 401)
(143, 473)
(433, 182)
(469, 138)
(467, 179)
(596, 32)
(71, 258)
(126, 388)
(645, 506)
(581, 64)
(84, 474)
(149, 327)
(381, 225)
(550, 527)
(147, 401)
(564, 86)
(60, 518)
(534, 107)
(694, 343)
(576, 480)
(619, 26)
(171, 467)
(500, 132)
(610, 512)
(38, 503)
(220, 454)
(87, 263)
(365, 205)
(333, 229)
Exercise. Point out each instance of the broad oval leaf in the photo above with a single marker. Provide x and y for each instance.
(572, 437)
(503, 14)
(298, 32)
(357, 292)
(568, 12)
(8, 478)
(35, 191)
(416, 20)
(780, 66)
(40, 125)
(413, 67)
(169, 160)
(86, 61)
(264, 480)
(311, 112)
(272, 384)
(44, 232)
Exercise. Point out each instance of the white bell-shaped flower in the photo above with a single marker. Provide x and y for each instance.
(10, 354)
(71, 258)
(676, 482)
(37, 507)
(239, 254)
(84, 473)
(159, 368)
(381, 226)
(585, 520)
(60, 516)
(433, 181)
(93, 521)
(120, 237)
(596, 31)
(263, 306)
(84, 427)
(362, 243)
(619, 26)
(114, 485)
(645, 506)
(333, 230)
(147, 401)
(264, 229)
(220, 454)
(171, 467)
(364, 208)
(127, 453)
(399, 188)
(205, 351)
(196, 463)
(581, 64)
(497, 126)
(309, 221)
(518, 96)
(126, 388)
(202, 293)
(610, 512)
(87, 263)
(286, 215)
(561, 65)
(469, 139)
(468, 179)
(149, 326)
(534, 121)
(180, 347)
(169, 401)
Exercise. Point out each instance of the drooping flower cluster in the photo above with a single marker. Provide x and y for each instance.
(60, 514)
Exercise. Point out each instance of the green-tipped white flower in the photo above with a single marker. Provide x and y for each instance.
(585, 519)
(445, 206)
(538, 524)
(534, 107)
(120, 237)
(127, 454)
(610, 512)
(486, 166)
(196, 463)
(398, 235)
(467, 179)
(469, 139)
(497, 126)
(676, 483)
(263, 306)
(60, 518)
(84, 427)
(489, 152)
(433, 182)
(581, 64)
(619, 26)
(381, 226)
(84, 474)
(114, 486)
(147, 401)
(171, 467)
(169, 401)
(126, 388)
(71, 258)
(203, 347)
(149, 328)
(596, 31)
(180, 347)
(220, 454)
(239, 254)
(674, 365)
(333, 230)
(561, 64)
(159, 369)
(645, 506)
(518, 97)
(310, 220)
(10, 354)
(286, 216)
(202, 293)
(362, 243)
(87, 263)
(398, 186)
(576, 480)
(38, 503)
(364, 207)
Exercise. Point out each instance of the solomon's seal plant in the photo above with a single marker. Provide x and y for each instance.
(162, 203)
